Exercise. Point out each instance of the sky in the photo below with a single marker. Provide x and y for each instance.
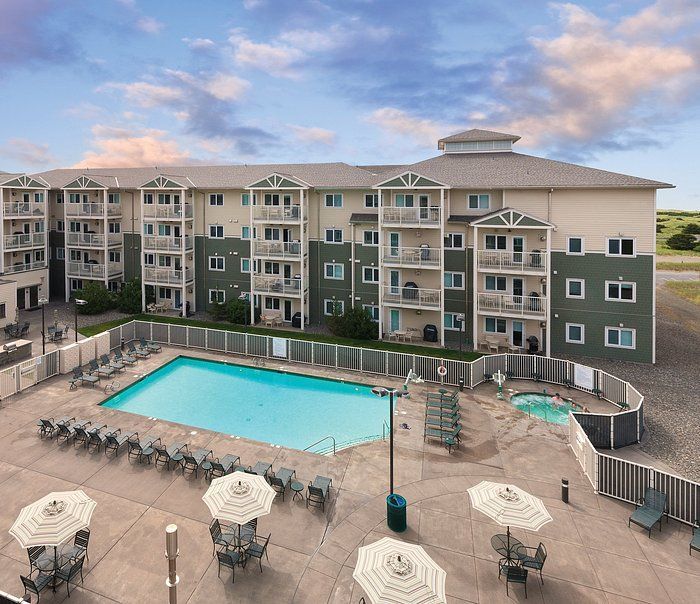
(110, 83)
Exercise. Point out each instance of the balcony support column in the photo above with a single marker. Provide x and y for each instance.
(380, 262)
(442, 280)
(105, 229)
(301, 271)
(549, 295)
(65, 243)
(475, 286)
(251, 261)
(2, 229)
(143, 257)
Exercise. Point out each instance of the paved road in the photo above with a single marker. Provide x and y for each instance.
(664, 276)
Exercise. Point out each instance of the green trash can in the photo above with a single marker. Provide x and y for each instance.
(396, 513)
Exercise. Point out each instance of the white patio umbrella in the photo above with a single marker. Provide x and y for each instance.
(394, 572)
(239, 497)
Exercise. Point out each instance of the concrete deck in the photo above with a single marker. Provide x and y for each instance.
(593, 555)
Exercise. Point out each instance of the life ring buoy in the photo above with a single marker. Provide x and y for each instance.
(442, 371)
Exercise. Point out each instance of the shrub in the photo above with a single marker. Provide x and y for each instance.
(681, 241)
(129, 298)
(97, 297)
(692, 228)
(355, 323)
(217, 310)
(238, 311)
(660, 227)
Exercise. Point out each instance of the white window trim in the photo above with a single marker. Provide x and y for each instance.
(373, 269)
(325, 237)
(242, 261)
(373, 237)
(464, 278)
(334, 264)
(583, 333)
(251, 199)
(583, 246)
(634, 291)
(496, 319)
(250, 231)
(364, 200)
(476, 209)
(325, 304)
(325, 202)
(223, 291)
(210, 236)
(496, 277)
(453, 328)
(217, 205)
(634, 247)
(583, 288)
(634, 337)
(223, 268)
(451, 235)
(371, 308)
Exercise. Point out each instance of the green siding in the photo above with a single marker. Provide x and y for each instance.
(368, 293)
(132, 256)
(232, 249)
(57, 268)
(459, 300)
(321, 288)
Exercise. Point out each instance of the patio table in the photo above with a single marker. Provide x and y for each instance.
(508, 547)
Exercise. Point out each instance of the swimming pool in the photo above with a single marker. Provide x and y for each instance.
(541, 405)
(262, 404)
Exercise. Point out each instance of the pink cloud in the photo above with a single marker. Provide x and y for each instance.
(397, 122)
(314, 135)
(27, 153)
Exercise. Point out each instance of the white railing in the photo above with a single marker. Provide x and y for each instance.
(93, 271)
(164, 243)
(94, 210)
(22, 267)
(412, 256)
(166, 276)
(13, 242)
(291, 213)
(516, 306)
(512, 262)
(19, 377)
(277, 249)
(276, 285)
(411, 216)
(92, 240)
(166, 211)
(413, 297)
(24, 208)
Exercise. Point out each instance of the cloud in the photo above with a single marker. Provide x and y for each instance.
(276, 59)
(114, 147)
(27, 153)
(314, 135)
(252, 4)
(397, 122)
(663, 17)
(199, 43)
(146, 94)
(149, 25)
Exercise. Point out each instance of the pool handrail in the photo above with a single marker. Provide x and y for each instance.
(320, 441)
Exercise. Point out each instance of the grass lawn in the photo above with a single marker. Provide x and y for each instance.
(680, 266)
(673, 222)
(690, 290)
(445, 353)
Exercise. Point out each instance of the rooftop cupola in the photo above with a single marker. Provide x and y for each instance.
(477, 141)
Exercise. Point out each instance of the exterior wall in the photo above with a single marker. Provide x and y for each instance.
(232, 280)
(8, 302)
(458, 201)
(321, 288)
(57, 267)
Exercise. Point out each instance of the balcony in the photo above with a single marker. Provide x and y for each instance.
(420, 257)
(269, 284)
(497, 261)
(279, 250)
(166, 276)
(93, 271)
(25, 240)
(167, 211)
(13, 209)
(411, 297)
(275, 214)
(22, 267)
(92, 240)
(512, 306)
(166, 244)
(411, 217)
(92, 210)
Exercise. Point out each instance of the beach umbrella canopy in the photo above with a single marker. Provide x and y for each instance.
(239, 497)
(509, 505)
(53, 519)
(394, 572)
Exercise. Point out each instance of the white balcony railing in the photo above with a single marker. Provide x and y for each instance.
(25, 240)
(92, 240)
(268, 284)
(162, 243)
(167, 211)
(22, 267)
(24, 208)
(411, 216)
(94, 271)
(412, 256)
(413, 297)
(93, 210)
(512, 262)
(512, 306)
(278, 249)
(166, 276)
(274, 214)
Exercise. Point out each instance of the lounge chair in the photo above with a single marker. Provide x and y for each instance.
(47, 427)
(25, 330)
(215, 468)
(230, 559)
(107, 362)
(36, 584)
(113, 441)
(65, 432)
(281, 479)
(442, 404)
(443, 434)
(124, 358)
(650, 509)
(695, 541)
(96, 369)
(445, 414)
(95, 439)
(81, 436)
(193, 461)
(142, 451)
(258, 548)
(450, 397)
(220, 537)
(443, 422)
(534, 561)
(70, 571)
(139, 353)
(167, 455)
(81, 378)
(262, 468)
(150, 346)
(318, 492)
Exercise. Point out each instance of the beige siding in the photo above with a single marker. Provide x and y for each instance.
(458, 201)
(8, 298)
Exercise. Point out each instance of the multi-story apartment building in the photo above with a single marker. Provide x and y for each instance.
(518, 245)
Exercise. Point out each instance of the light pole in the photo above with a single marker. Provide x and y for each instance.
(391, 392)
(460, 319)
(244, 298)
(43, 302)
(78, 302)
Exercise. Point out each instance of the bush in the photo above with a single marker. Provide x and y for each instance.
(217, 310)
(129, 298)
(681, 241)
(238, 311)
(660, 227)
(97, 297)
(692, 228)
(355, 323)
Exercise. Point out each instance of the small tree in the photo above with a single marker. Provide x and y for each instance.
(218, 311)
(692, 228)
(129, 298)
(681, 241)
(97, 297)
(355, 323)
(238, 311)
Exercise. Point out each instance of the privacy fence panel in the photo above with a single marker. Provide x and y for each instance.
(521, 366)
(683, 495)
(256, 345)
(48, 367)
(555, 371)
(160, 332)
(129, 331)
(478, 370)
(236, 342)
(142, 330)
(399, 364)
(178, 335)
(495, 363)
(427, 368)
(115, 337)
(324, 354)
(625, 428)
(621, 479)
(300, 351)
(597, 428)
(612, 389)
(196, 337)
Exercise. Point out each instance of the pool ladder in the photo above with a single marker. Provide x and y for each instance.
(320, 441)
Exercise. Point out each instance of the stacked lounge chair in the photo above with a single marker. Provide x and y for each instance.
(442, 418)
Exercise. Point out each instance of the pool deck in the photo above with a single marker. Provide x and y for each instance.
(593, 555)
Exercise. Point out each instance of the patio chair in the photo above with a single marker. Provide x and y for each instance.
(96, 369)
(80, 545)
(95, 439)
(69, 572)
(107, 362)
(150, 346)
(536, 561)
(25, 329)
(167, 455)
(650, 509)
(81, 436)
(65, 432)
(258, 548)
(57, 335)
(262, 468)
(36, 584)
(81, 378)
(695, 541)
(192, 462)
(114, 441)
(220, 537)
(281, 479)
(137, 352)
(228, 558)
(124, 358)
(47, 427)
(141, 452)
(215, 468)
(39, 559)
(9, 331)
(318, 492)
(513, 573)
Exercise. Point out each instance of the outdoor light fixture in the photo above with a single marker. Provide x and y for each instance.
(391, 393)
(43, 302)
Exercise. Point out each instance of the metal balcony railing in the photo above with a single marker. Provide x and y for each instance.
(292, 213)
(21, 267)
(412, 256)
(167, 211)
(411, 216)
(277, 249)
(92, 240)
(512, 306)
(413, 297)
(24, 208)
(166, 276)
(512, 262)
(93, 210)
(168, 244)
(94, 271)
(268, 284)
(25, 240)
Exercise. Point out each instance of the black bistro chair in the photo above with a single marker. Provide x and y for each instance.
(70, 571)
(35, 585)
(229, 559)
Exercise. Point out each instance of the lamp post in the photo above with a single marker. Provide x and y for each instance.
(43, 302)
(77, 302)
(391, 392)
(244, 298)
(460, 320)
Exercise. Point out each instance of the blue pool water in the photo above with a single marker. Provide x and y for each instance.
(541, 405)
(261, 404)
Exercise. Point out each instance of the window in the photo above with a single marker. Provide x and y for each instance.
(165, 292)
(148, 198)
(271, 268)
(60, 253)
(113, 286)
(617, 337)
(576, 288)
(272, 303)
(334, 235)
(245, 265)
(574, 246)
(371, 200)
(575, 333)
(621, 246)
(216, 263)
(76, 284)
(60, 226)
(271, 234)
(494, 325)
(149, 259)
(245, 232)
(165, 260)
(217, 296)
(59, 197)
(373, 311)
(26, 197)
(452, 322)
(271, 199)
(454, 280)
(38, 197)
(216, 199)
(331, 307)
(454, 240)
(620, 291)
(115, 256)
(403, 201)
(479, 202)
(114, 198)
(76, 255)
(496, 242)
(245, 199)
(493, 283)
(3, 312)
(370, 238)
(115, 227)
(334, 270)
(334, 200)
(370, 274)
(216, 231)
